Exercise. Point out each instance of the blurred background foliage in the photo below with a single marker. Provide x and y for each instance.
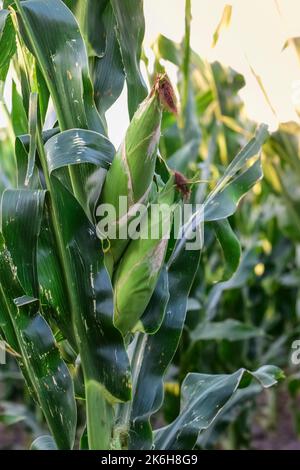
(246, 321)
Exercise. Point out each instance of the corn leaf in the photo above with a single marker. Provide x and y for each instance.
(7, 42)
(240, 277)
(130, 29)
(48, 375)
(158, 350)
(153, 316)
(62, 58)
(203, 397)
(238, 178)
(18, 114)
(230, 330)
(230, 245)
(98, 26)
(77, 147)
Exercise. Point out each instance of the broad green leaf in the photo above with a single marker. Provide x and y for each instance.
(52, 280)
(230, 245)
(77, 147)
(89, 15)
(239, 162)
(43, 92)
(108, 71)
(49, 377)
(18, 114)
(156, 351)
(22, 144)
(32, 117)
(21, 214)
(203, 398)
(7, 42)
(236, 405)
(223, 203)
(230, 330)
(154, 314)
(98, 25)
(130, 30)
(6, 325)
(97, 411)
(166, 49)
(182, 157)
(62, 58)
(100, 344)
(244, 271)
(101, 347)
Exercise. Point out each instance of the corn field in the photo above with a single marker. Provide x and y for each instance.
(128, 342)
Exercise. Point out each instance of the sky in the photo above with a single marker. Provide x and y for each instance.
(255, 38)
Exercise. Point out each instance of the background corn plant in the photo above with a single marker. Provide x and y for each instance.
(93, 338)
(244, 316)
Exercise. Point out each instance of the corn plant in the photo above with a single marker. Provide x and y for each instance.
(94, 321)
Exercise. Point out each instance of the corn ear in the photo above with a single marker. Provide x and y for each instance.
(139, 268)
(132, 170)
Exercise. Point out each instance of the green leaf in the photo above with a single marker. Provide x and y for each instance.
(7, 42)
(229, 414)
(43, 93)
(18, 114)
(101, 346)
(229, 329)
(153, 316)
(77, 147)
(21, 216)
(237, 177)
(98, 26)
(49, 377)
(22, 144)
(32, 116)
(230, 245)
(108, 70)
(168, 50)
(223, 203)
(62, 58)
(52, 280)
(244, 271)
(156, 351)
(186, 154)
(130, 17)
(203, 398)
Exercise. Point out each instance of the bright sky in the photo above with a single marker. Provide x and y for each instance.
(256, 36)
